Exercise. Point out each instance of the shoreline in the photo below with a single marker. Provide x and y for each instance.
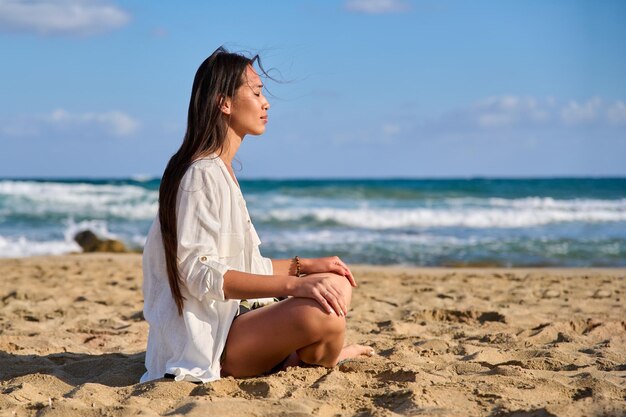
(461, 268)
(449, 341)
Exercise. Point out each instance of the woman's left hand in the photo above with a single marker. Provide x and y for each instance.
(330, 264)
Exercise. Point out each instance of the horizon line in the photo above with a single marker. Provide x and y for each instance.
(146, 178)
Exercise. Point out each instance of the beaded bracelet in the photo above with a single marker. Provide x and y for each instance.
(296, 261)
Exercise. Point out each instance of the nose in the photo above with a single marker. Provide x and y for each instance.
(266, 105)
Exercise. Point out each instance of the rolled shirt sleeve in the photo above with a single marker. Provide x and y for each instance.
(199, 238)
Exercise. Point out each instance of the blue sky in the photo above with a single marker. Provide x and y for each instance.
(373, 88)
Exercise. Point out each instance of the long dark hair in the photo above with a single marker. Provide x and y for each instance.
(218, 77)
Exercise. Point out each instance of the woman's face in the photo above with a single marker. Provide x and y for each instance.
(249, 106)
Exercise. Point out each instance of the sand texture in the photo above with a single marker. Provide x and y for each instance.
(450, 342)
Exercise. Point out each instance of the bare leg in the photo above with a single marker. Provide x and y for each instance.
(262, 338)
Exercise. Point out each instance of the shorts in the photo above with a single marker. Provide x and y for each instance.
(246, 306)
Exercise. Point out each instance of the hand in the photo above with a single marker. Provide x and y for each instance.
(330, 264)
(324, 289)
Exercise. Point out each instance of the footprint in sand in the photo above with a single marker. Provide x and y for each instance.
(401, 402)
(602, 294)
(550, 293)
(397, 375)
(456, 316)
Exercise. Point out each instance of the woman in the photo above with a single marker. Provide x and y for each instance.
(201, 258)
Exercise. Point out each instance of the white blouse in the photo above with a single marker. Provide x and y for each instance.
(215, 234)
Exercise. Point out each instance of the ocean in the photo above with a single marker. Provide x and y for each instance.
(571, 222)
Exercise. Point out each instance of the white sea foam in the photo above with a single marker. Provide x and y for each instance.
(19, 246)
(339, 238)
(143, 177)
(15, 247)
(518, 214)
(38, 218)
(78, 199)
(99, 227)
(540, 203)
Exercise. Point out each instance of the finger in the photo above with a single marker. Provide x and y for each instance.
(331, 300)
(351, 279)
(340, 299)
(322, 300)
(338, 269)
(344, 272)
(349, 273)
(343, 265)
(334, 302)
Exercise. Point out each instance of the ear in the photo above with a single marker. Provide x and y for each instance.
(226, 104)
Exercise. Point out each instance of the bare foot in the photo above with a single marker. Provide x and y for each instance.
(355, 351)
(292, 360)
(348, 352)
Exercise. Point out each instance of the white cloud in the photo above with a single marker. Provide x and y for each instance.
(594, 111)
(617, 113)
(376, 6)
(60, 121)
(520, 112)
(51, 17)
(495, 119)
(575, 113)
(505, 111)
(115, 122)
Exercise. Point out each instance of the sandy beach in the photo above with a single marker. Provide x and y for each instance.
(449, 342)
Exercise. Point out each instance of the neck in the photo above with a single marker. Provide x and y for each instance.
(231, 146)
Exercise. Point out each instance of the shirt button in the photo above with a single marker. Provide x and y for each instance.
(203, 258)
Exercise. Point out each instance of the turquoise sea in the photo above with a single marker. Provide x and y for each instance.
(504, 222)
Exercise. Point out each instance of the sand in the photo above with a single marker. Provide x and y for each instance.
(449, 342)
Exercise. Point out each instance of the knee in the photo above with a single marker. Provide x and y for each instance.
(346, 289)
(320, 324)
